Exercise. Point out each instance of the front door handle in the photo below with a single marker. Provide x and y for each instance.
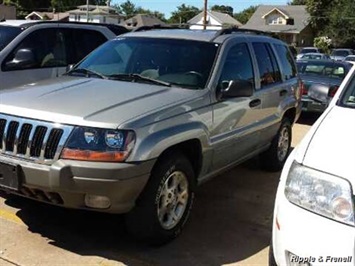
(254, 103)
(283, 93)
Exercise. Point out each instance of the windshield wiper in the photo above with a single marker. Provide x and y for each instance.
(87, 72)
(138, 78)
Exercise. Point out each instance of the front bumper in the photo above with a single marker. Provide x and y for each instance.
(66, 182)
(310, 237)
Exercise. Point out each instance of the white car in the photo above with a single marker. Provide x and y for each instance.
(314, 209)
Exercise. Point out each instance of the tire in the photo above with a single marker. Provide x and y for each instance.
(274, 158)
(165, 204)
(272, 261)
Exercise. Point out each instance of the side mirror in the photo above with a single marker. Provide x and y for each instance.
(24, 58)
(236, 88)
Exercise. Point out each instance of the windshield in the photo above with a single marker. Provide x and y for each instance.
(7, 34)
(308, 50)
(347, 99)
(182, 63)
(341, 53)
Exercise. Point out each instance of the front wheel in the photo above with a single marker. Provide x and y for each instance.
(274, 158)
(164, 206)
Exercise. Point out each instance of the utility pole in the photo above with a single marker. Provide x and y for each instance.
(205, 15)
(87, 10)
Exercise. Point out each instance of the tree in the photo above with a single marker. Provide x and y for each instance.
(183, 14)
(298, 2)
(223, 9)
(156, 14)
(127, 8)
(245, 15)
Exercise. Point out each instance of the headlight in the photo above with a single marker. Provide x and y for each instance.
(96, 144)
(321, 193)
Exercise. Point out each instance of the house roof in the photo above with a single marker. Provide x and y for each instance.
(222, 18)
(95, 10)
(296, 12)
(142, 20)
(48, 15)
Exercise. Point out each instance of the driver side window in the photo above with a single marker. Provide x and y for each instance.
(238, 66)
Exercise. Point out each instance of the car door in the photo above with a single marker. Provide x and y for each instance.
(79, 43)
(35, 57)
(276, 84)
(234, 133)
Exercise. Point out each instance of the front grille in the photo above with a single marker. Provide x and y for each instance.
(35, 140)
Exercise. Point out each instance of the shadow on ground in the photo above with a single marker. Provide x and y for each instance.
(308, 118)
(230, 221)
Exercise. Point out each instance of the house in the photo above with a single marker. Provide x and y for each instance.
(289, 22)
(215, 21)
(97, 14)
(142, 20)
(36, 15)
(7, 12)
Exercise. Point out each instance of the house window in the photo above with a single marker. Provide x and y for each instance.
(276, 20)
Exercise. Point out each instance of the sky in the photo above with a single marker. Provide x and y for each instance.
(168, 6)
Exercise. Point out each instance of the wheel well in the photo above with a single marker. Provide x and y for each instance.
(191, 149)
(290, 114)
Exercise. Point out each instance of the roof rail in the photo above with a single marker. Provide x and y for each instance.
(239, 30)
(160, 26)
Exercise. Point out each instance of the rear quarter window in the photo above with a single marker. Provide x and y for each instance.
(289, 69)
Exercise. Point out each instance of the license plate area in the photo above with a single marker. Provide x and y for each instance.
(9, 176)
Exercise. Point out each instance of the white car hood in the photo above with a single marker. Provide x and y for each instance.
(331, 146)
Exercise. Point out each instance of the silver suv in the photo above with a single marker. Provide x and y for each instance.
(35, 50)
(145, 118)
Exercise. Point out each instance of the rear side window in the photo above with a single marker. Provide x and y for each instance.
(288, 66)
(268, 67)
(85, 41)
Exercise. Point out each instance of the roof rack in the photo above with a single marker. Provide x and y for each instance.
(160, 26)
(31, 23)
(248, 31)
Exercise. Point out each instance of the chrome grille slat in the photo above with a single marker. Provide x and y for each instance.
(30, 139)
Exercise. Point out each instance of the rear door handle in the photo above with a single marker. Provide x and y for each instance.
(254, 103)
(283, 92)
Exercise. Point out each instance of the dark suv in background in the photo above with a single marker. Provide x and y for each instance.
(136, 125)
(32, 51)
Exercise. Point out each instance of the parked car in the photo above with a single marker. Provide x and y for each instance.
(146, 117)
(35, 50)
(341, 53)
(350, 58)
(306, 50)
(315, 56)
(313, 220)
(321, 79)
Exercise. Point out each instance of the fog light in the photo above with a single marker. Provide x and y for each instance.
(294, 260)
(97, 202)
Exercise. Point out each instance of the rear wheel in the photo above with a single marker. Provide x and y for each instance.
(164, 206)
(274, 158)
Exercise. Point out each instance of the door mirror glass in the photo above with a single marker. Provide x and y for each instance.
(24, 58)
(237, 88)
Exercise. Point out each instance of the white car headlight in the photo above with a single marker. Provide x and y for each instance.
(321, 193)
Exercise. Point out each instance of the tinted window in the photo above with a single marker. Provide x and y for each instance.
(85, 41)
(238, 65)
(40, 49)
(309, 50)
(341, 52)
(7, 34)
(268, 68)
(287, 63)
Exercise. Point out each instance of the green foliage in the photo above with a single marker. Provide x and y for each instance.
(298, 2)
(245, 15)
(129, 9)
(223, 9)
(184, 13)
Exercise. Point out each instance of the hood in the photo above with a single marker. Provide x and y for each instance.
(332, 147)
(89, 101)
